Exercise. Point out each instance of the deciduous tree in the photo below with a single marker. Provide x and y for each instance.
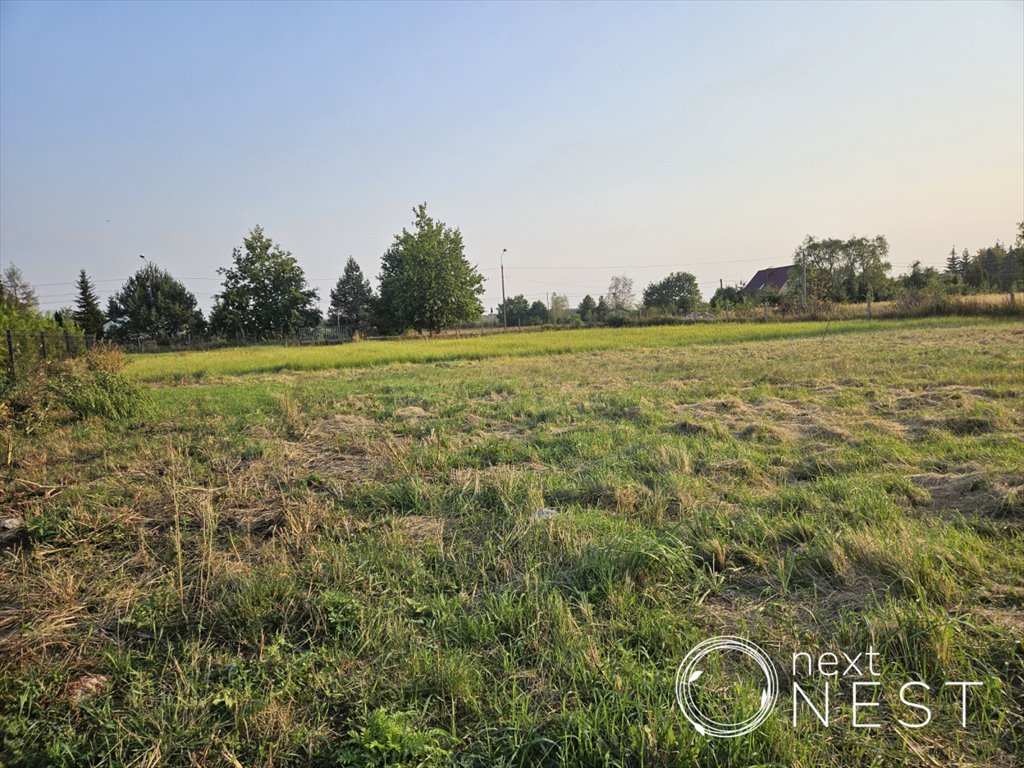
(264, 292)
(678, 292)
(727, 296)
(426, 283)
(620, 293)
(515, 310)
(559, 307)
(539, 313)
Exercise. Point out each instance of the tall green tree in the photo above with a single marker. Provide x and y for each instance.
(16, 290)
(844, 270)
(352, 300)
(996, 268)
(965, 262)
(620, 294)
(87, 307)
(426, 283)
(153, 304)
(515, 310)
(678, 292)
(264, 292)
(953, 264)
(559, 307)
(869, 261)
(586, 308)
(539, 313)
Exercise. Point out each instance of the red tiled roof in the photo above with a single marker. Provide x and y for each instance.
(770, 279)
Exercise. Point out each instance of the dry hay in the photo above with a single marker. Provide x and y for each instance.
(331, 453)
(412, 413)
(420, 528)
(952, 408)
(339, 447)
(769, 420)
(466, 475)
(970, 492)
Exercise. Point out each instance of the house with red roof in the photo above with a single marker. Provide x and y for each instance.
(775, 279)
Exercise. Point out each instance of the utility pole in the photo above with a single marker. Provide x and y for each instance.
(504, 304)
(720, 286)
(805, 281)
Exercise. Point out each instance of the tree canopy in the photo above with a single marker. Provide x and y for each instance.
(678, 292)
(539, 313)
(559, 307)
(620, 294)
(264, 292)
(515, 310)
(152, 303)
(586, 308)
(426, 283)
(844, 270)
(727, 296)
(16, 290)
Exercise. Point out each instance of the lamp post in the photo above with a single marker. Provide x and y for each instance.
(504, 304)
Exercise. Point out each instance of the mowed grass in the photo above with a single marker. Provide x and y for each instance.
(347, 567)
(274, 358)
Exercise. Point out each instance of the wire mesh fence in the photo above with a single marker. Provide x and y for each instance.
(26, 351)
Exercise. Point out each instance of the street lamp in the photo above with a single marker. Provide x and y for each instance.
(504, 304)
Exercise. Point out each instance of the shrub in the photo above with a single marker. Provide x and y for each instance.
(92, 385)
(85, 392)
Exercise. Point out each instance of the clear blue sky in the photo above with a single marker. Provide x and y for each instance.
(704, 137)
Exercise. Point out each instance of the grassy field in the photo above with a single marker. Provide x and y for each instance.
(274, 358)
(497, 552)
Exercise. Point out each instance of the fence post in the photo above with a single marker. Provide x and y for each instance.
(10, 349)
(67, 342)
(42, 343)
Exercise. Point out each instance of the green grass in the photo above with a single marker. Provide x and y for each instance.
(274, 358)
(344, 567)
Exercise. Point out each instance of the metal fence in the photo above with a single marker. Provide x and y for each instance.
(27, 350)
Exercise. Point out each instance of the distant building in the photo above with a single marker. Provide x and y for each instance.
(771, 279)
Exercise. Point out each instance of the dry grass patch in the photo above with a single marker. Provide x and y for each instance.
(421, 528)
(970, 491)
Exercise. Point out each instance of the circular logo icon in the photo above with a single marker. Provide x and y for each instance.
(691, 669)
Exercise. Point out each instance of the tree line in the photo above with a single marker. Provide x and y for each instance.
(675, 294)
(426, 285)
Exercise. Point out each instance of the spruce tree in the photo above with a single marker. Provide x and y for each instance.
(352, 299)
(965, 262)
(953, 263)
(87, 307)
